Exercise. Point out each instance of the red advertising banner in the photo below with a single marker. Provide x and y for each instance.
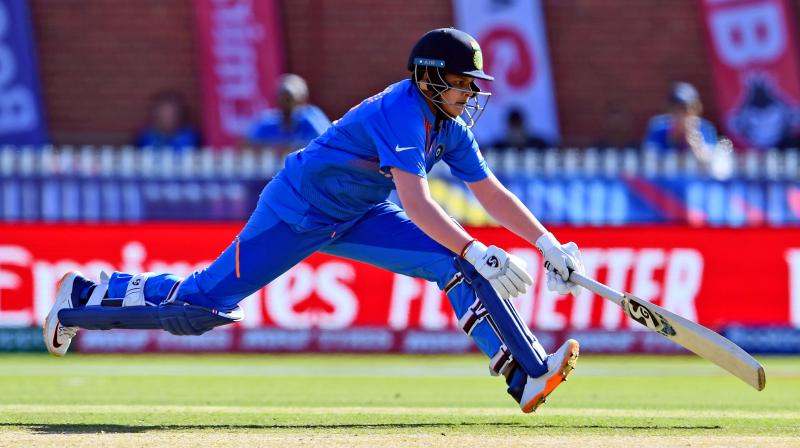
(718, 277)
(754, 52)
(241, 57)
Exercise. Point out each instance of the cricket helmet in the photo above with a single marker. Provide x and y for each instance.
(448, 50)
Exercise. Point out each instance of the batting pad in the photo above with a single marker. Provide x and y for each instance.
(505, 321)
(176, 317)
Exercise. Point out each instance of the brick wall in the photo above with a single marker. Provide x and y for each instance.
(613, 66)
(351, 49)
(102, 59)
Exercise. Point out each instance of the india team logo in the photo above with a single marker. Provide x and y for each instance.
(477, 56)
(439, 151)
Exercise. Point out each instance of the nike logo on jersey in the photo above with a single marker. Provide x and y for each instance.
(404, 148)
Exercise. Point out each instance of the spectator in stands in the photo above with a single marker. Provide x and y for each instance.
(517, 135)
(682, 128)
(293, 123)
(168, 123)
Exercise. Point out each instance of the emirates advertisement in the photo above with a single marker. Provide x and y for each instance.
(713, 276)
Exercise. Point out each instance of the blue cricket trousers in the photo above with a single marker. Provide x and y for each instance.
(267, 247)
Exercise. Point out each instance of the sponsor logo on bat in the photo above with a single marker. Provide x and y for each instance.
(647, 317)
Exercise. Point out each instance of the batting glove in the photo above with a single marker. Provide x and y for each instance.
(507, 273)
(560, 260)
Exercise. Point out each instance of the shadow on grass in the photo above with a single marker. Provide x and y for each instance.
(66, 428)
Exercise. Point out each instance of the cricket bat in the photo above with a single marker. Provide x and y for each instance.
(690, 335)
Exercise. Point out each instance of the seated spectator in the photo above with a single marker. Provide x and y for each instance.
(293, 123)
(517, 135)
(167, 124)
(682, 128)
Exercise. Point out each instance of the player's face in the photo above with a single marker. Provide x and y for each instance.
(456, 98)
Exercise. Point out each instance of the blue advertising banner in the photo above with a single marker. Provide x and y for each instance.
(21, 113)
(632, 200)
(573, 201)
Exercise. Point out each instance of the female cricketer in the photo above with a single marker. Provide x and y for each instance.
(331, 197)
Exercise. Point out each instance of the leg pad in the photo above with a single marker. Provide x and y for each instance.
(176, 317)
(503, 317)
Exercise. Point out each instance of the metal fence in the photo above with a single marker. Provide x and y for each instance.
(614, 162)
(108, 183)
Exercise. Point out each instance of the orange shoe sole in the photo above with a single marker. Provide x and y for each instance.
(554, 381)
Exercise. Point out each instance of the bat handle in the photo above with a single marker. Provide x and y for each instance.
(597, 287)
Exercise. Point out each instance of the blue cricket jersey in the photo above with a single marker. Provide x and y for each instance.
(658, 137)
(344, 172)
(184, 138)
(307, 123)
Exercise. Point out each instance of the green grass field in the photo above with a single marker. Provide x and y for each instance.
(327, 400)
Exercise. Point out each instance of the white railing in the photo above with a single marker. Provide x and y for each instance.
(132, 162)
(166, 163)
(767, 165)
(105, 183)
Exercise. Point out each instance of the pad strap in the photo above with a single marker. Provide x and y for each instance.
(501, 362)
(99, 292)
(472, 317)
(453, 282)
(173, 293)
(134, 294)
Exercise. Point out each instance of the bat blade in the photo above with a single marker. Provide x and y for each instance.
(698, 339)
(684, 332)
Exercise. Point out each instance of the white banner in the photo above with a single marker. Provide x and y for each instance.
(514, 43)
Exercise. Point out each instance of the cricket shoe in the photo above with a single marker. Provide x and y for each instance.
(57, 337)
(532, 392)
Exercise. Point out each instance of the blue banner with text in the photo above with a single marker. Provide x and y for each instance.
(21, 115)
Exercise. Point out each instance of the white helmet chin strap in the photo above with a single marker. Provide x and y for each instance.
(473, 108)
